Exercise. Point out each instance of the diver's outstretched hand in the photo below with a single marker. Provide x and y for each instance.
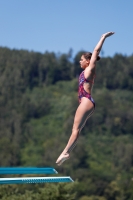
(108, 34)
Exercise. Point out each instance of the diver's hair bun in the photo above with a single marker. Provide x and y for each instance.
(88, 55)
(98, 58)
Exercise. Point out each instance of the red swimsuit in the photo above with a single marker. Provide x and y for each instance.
(81, 91)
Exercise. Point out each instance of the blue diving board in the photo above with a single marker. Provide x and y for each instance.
(35, 180)
(27, 170)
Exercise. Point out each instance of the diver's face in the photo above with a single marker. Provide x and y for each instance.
(83, 62)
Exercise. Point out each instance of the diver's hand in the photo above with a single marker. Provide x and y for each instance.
(108, 34)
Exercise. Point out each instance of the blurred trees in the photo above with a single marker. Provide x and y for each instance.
(38, 100)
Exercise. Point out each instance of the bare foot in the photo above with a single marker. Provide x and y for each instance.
(62, 158)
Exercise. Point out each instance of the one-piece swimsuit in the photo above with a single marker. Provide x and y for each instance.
(81, 91)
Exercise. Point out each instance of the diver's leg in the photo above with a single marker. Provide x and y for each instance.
(84, 111)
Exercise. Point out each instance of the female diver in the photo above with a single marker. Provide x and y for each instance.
(87, 104)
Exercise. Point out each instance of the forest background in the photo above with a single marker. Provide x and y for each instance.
(38, 100)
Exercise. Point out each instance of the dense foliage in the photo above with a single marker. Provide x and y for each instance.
(38, 99)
